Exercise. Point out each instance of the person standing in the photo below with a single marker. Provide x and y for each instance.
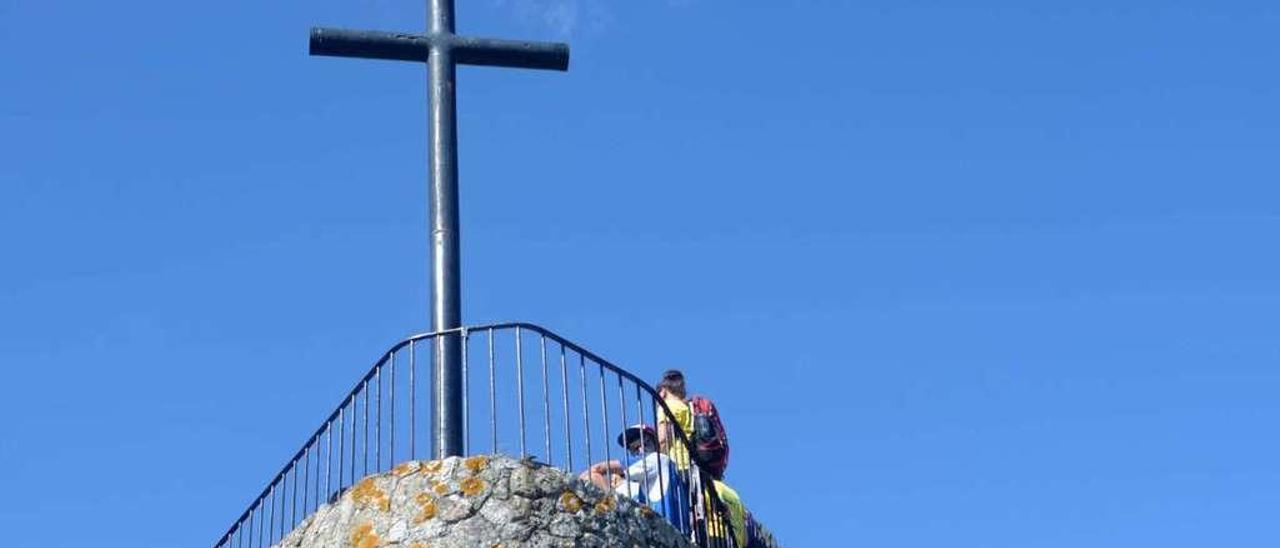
(672, 391)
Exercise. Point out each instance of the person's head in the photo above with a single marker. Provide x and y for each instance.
(672, 384)
(639, 439)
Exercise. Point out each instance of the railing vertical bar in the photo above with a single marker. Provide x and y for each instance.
(284, 510)
(705, 524)
(586, 416)
(682, 506)
(354, 415)
(364, 459)
(493, 397)
(258, 521)
(622, 411)
(271, 516)
(412, 397)
(284, 493)
(644, 455)
(306, 478)
(520, 390)
(723, 512)
(391, 422)
(717, 506)
(564, 405)
(466, 390)
(546, 400)
(704, 531)
(342, 444)
(377, 425)
(328, 461)
(316, 504)
(716, 509)
(314, 493)
(293, 509)
(255, 523)
(663, 467)
(248, 524)
(604, 423)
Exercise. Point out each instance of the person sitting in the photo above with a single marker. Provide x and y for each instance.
(737, 513)
(651, 479)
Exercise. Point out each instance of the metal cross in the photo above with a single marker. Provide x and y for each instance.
(442, 51)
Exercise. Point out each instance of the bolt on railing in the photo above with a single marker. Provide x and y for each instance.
(581, 403)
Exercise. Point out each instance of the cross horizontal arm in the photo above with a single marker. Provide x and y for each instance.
(370, 44)
(510, 53)
(466, 50)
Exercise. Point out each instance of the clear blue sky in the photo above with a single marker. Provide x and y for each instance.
(989, 274)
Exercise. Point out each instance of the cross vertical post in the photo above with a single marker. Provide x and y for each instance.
(442, 50)
(446, 284)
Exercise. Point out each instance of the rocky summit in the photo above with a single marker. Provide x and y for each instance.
(479, 501)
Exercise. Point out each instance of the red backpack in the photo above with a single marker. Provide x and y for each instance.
(710, 442)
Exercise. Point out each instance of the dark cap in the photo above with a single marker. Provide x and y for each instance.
(635, 432)
(672, 374)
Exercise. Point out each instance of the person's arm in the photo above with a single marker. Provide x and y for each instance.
(605, 467)
(604, 475)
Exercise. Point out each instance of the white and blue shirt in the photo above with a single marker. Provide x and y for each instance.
(654, 481)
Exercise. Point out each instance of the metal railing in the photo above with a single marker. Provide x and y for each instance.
(530, 393)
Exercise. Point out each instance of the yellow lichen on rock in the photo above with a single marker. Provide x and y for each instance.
(406, 468)
(571, 502)
(440, 488)
(367, 493)
(605, 505)
(429, 509)
(473, 486)
(432, 466)
(364, 536)
(476, 464)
